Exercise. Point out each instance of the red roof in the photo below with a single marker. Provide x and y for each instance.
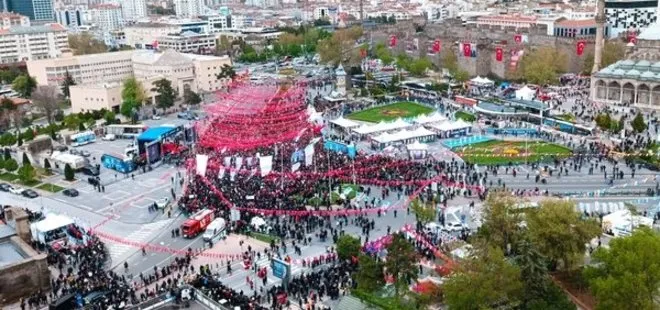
(512, 18)
(577, 23)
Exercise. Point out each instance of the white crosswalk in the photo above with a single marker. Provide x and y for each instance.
(118, 251)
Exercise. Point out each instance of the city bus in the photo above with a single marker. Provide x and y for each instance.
(82, 138)
(125, 131)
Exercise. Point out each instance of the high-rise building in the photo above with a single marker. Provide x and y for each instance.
(107, 17)
(36, 10)
(134, 9)
(189, 8)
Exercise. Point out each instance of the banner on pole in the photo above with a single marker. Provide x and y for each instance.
(202, 162)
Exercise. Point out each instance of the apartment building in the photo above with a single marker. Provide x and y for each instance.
(188, 42)
(140, 35)
(134, 9)
(22, 43)
(189, 8)
(12, 20)
(107, 17)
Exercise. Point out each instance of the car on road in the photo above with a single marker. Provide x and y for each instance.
(70, 192)
(455, 226)
(30, 193)
(16, 190)
(85, 153)
(155, 117)
(5, 187)
(162, 203)
(90, 170)
(109, 137)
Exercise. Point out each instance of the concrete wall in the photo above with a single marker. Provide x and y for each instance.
(24, 278)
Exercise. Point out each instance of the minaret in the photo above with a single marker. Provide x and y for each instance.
(600, 29)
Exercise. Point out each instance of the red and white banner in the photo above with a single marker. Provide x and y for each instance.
(499, 54)
(632, 38)
(393, 41)
(435, 47)
(579, 47)
(467, 49)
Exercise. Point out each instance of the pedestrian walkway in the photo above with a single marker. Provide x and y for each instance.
(119, 252)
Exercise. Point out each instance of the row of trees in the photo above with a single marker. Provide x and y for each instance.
(605, 122)
(26, 172)
(294, 42)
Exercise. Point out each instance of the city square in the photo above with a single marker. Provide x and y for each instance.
(196, 154)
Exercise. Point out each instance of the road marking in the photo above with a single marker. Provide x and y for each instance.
(73, 203)
(134, 197)
(117, 195)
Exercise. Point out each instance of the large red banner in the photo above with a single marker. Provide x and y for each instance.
(579, 47)
(392, 41)
(436, 46)
(499, 54)
(467, 49)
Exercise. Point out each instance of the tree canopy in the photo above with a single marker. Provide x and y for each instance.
(84, 43)
(543, 65)
(24, 85)
(424, 213)
(132, 97)
(401, 263)
(341, 47)
(45, 98)
(348, 247)
(486, 281)
(501, 224)
(638, 123)
(370, 275)
(627, 274)
(613, 51)
(166, 94)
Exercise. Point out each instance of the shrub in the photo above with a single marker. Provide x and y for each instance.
(68, 173)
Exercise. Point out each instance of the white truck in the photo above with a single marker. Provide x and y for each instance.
(60, 160)
(216, 228)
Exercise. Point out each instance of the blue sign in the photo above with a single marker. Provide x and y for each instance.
(297, 156)
(281, 269)
(340, 148)
(115, 163)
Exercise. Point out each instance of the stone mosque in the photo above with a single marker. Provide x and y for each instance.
(635, 80)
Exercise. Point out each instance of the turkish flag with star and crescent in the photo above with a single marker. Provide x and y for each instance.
(499, 54)
(517, 38)
(467, 49)
(579, 47)
(392, 41)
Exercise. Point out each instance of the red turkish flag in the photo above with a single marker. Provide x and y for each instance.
(467, 49)
(155, 45)
(392, 41)
(517, 38)
(436, 46)
(363, 53)
(499, 54)
(632, 38)
(579, 47)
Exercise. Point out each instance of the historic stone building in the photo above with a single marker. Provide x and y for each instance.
(635, 80)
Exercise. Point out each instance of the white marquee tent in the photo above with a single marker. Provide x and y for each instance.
(479, 81)
(404, 135)
(430, 118)
(525, 93)
(344, 123)
(382, 127)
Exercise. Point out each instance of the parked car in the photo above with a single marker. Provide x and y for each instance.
(155, 117)
(70, 192)
(453, 226)
(85, 153)
(5, 187)
(109, 137)
(16, 190)
(90, 170)
(162, 203)
(30, 193)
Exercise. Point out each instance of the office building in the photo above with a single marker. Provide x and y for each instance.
(85, 69)
(36, 10)
(188, 42)
(71, 17)
(21, 43)
(107, 17)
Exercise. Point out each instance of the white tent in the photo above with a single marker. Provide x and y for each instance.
(621, 222)
(344, 123)
(417, 146)
(430, 118)
(403, 135)
(525, 93)
(449, 126)
(382, 127)
(479, 81)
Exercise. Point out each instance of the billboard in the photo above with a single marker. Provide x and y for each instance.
(281, 269)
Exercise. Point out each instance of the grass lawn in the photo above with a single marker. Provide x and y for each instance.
(264, 237)
(504, 152)
(390, 112)
(465, 116)
(50, 187)
(8, 176)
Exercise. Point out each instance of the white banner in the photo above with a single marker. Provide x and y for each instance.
(295, 167)
(232, 175)
(202, 162)
(221, 173)
(309, 155)
(266, 165)
(228, 162)
(249, 162)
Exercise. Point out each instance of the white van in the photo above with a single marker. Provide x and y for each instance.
(214, 229)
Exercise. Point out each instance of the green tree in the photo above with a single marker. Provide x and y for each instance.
(24, 85)
(68, 82)
(348, 247)
(485, 281)
(638, 123)
(604, 121)
(8, 76)
(84, 43)
(45, 98)
(11, 165)
(419, 66)
(166, 94)
(560, 232)
(132, 97)
(450, 61)
(109, 117)
(340, 47)
(401, 263)
(28, 134)
(81, 126)
(613, 51)
(501, 224)
(424, 213)
(384, 54)
(26, 173)
(69, 175)
(369, 275)
(129, 109)
(227, 72)
(461, 75)
(627, 274)
(191, 98)
(72, 121)
(7, 139)
(47, 166)
(543, 65)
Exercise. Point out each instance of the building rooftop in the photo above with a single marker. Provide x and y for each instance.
(577, 23)
(651, 33)
(643, 69)
(10, 254)
(32, 29)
